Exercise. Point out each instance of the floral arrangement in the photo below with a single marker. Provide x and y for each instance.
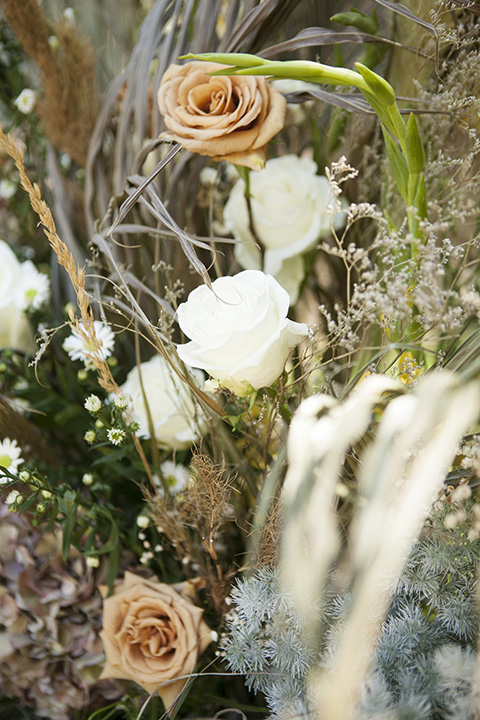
(239, 375)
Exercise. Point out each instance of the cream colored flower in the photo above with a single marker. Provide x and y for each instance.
(290, 214)
(25, 102)
(239, 333)
(81, 348)
(173, 413)
(15, 330)
(225, 117)
(153, 634)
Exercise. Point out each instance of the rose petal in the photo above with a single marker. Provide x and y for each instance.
(224, 117)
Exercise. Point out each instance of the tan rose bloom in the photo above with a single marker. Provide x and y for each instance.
(152, 633)
(226, 117)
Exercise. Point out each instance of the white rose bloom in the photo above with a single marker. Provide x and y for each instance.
(15, 330)
(239, 333)
(176, 419)
(289, 206)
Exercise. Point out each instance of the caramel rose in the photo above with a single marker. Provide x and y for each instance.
(152, 634)
(226, 117)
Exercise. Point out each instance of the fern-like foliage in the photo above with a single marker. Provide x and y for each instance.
(425, 664)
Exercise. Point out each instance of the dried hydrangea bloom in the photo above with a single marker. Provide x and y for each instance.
(50, 616)
(225, 117)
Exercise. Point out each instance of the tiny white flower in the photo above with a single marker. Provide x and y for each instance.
(7, 189)
(116, 436)
(53, 42)
(120, 402)
(80, 348)
(10, 457)
(33, 289)
(87, 479)
(69, 14)
(90, 436)
(92, 562)
(211, 386)
(176, 475)
(208, 176)
(93, 403)
(13, 497)
(143, 521)
(214, 635)
(66, 161)
(25, 102)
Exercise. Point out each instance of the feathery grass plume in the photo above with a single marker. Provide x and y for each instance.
(70, 105)
(70, 102)
(29, 23)
(65, 259)
(200, 510)
(399, 478)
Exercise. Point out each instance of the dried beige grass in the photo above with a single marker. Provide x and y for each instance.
(77, 276)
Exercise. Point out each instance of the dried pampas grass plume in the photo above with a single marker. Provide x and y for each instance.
(70, 102)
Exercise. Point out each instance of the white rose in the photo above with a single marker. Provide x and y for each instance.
(15, 330)
(175, 417)
(239, 333)
(289, 207)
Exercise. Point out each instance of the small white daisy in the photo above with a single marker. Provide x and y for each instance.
(121, 401)
(25, 102)
(90, 436)
(93, 403)
(79, 348)
(34, 287)
(177, 476)
(13, 497)
(92, 561)
(116, 435)
(10, 457)
(143, 521)
(7, 189)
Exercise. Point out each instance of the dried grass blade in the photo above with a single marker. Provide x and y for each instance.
(406, 12)
(251, 25)
(198, 240)
(323, 36)
(132, 199)
(350, 101)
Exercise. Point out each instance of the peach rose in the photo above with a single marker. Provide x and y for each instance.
(228, 117)
(153, 634)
